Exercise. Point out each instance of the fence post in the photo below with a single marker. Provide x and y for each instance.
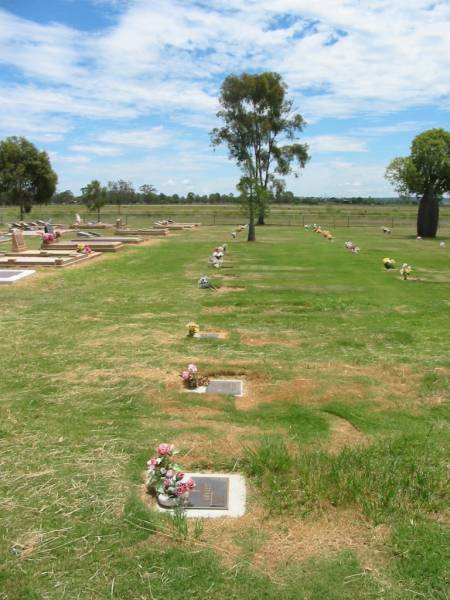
(348, 220)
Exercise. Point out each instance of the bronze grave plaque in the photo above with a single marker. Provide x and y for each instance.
(210, 493)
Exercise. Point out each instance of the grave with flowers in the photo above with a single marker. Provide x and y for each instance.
(200, 384)
(196, 494)
(193, 331)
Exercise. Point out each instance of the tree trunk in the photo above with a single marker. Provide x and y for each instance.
(251, 231)
(261, 218)
(98, 214)
(21, 210)
(428, 215)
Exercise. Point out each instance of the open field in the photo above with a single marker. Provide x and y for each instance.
(343, 432)
(328, 215)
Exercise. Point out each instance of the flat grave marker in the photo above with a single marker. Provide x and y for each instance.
(207, 335)
(226, 387)
(223, 387)
(215, 495)
(13, 276)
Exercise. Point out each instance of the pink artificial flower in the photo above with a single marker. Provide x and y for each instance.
(167, 482)
(169, 473)
(192, 368)
(181, 489)
(152, 462)
(190, 484)
(185, 375)
(180, 475)
(165, 449)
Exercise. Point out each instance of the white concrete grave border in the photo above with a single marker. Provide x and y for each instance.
(236, 499)
(13, 276)
(203, 389)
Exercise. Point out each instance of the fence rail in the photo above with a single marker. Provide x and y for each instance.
(232, 218)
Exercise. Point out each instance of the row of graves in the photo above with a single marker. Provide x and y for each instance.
(59, 252)
(198, 494)
(390, 264)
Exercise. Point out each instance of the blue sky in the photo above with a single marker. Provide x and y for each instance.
(127, 89)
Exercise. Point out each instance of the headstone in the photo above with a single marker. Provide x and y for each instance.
(225, 387)
(77, 219)
(207, 335)
(18, 242)
(209, 493)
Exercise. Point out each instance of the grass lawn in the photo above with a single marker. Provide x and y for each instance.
(343, 432)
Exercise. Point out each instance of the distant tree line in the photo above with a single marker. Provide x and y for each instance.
(154, 197)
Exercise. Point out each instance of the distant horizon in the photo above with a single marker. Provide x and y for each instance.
(128, 89)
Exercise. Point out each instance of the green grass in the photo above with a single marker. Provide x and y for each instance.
(88, 387)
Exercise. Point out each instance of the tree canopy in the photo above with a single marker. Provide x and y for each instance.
(94, 196)
(26, 175)
(260, 129)
(120, 192)
(426, 174)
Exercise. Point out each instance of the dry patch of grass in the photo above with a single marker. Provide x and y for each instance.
(250, 338)
(221, 439)
(337, 530)
(229, 289)
(219, 310)
(343, 434)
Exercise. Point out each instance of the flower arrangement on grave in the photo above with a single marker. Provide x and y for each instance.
(405, 271)
(205, 283)
(164, 476)
(389, 263)
(192, 329)
(84, 249)
(386, 230)
(351, 247)
(192, 379)
(47, 238)
(216, 259)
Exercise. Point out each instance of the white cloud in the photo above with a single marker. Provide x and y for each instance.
(163, 61)
(154, 137)
(367, 57)
(97, 150)
(335, 143)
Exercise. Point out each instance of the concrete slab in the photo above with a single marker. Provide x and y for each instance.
(212, 496)
(207, 335)
(223, 387)
(13, 276)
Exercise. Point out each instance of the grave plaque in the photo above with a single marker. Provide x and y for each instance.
(210, 493)
(226, 387)
(207, 336)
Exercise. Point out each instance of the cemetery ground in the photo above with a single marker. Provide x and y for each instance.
(342, 432)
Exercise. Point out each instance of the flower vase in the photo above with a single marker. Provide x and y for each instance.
(192, 383)
(170, 502)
